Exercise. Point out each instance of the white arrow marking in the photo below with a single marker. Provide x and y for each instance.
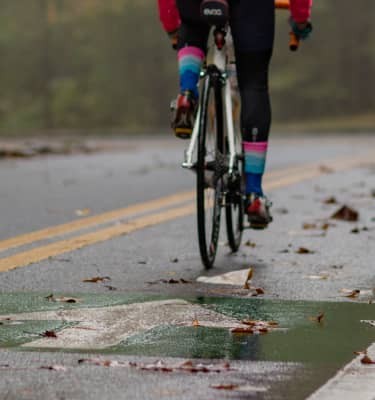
(99, 328)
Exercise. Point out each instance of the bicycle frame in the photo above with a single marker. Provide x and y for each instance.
(220, 59)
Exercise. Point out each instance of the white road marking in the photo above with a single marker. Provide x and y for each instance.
(235, 278)
(99, 328)
(354, 381)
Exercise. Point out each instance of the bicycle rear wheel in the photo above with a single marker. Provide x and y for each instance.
(210, 169)
(234, 206)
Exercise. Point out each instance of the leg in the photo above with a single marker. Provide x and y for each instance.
(255, 114)
(192, 44)
(252, 24)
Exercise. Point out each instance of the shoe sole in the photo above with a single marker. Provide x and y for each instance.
(183, 133)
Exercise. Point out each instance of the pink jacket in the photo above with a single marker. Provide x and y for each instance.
(170, 18)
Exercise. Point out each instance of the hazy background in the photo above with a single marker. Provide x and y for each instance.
(105, 66)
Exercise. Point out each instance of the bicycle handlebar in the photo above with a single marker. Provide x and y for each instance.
(294, 40)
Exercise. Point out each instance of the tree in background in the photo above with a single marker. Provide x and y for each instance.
(95, 65)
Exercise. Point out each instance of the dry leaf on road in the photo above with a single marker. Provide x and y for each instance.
(53, 367)
(225, 387)
(346, 213)
(367, 360)
(308, 226)
(49, 334)
(353, 294)
(97, 279)
(330, 200)
(304, 250)
(248, 279)
(318, 318)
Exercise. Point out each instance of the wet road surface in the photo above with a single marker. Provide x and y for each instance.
(144, 253)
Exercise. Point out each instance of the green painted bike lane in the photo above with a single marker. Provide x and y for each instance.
(319, 349)
(299, 339)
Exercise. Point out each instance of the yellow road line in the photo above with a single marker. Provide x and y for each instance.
(43, 252)
(88, 222)
(64, 246)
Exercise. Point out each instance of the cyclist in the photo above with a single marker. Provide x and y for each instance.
(252, 25)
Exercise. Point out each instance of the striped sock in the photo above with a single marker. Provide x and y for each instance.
(255, 161)
(190, 62)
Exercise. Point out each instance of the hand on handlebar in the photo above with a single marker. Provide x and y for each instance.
(301, 29)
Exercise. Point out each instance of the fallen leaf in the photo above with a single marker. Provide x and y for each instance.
(367, 360)
(354, 294)
(175, 260)
(50, 297)
(243, 330)
(49, 334)
(346, 213)
(63, 299)
(53, 367)
(260, 290)
(318, 319)
(195, 322)
(97, 279)
(171, 281)
(225, 387)
(308, 226)
(83, 212)
(330, 200)
(109, 287)
(360, 352)
(304, 250)
(326, 226)
(103, 363)
(249, 276)
(249, 243)
(326, 170)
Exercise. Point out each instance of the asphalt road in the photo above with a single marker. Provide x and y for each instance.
(144, 245)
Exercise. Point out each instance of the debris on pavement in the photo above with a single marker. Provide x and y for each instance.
(60, 368)
(249, 276)
(321, 276)
(346, 213)
(304, 250)
(353, 294)
(161, 366)
(63, 299)
(171, 281)
(367, 360)
(254, 327)
(97, 279)
(49, 334)
(318, 319)
(330, 200)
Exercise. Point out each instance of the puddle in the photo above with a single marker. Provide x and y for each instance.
(300, 339)
(317, 350)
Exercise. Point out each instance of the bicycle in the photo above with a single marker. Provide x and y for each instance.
(215, 154)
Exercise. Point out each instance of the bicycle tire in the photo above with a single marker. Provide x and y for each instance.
(234, 207)
(209, 171)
